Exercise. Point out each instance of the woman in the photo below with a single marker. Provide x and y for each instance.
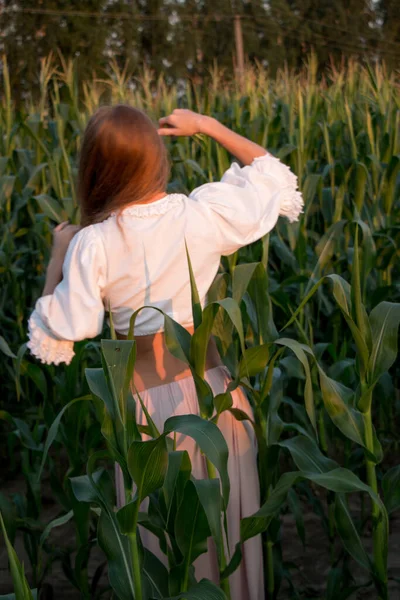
(131, 252)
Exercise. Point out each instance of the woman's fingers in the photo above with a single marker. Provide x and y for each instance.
(170, 131)
(61, 226)
(168, 126)
(182, 122)
(168, 120)
(66, 226)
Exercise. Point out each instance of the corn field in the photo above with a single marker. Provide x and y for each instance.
(306, 320)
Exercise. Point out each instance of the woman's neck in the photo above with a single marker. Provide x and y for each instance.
(153, 198)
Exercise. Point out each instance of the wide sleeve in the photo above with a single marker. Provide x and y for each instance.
(75, 310)
(246, 203)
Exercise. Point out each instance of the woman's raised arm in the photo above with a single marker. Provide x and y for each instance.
(183, 122)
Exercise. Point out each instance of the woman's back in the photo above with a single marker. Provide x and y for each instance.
(145, 254)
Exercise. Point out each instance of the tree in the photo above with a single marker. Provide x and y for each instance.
(328, 28)
(28, 37)
(388, 12)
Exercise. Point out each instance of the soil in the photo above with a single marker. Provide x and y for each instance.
(310, 565)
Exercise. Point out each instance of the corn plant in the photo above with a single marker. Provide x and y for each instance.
(21, 587)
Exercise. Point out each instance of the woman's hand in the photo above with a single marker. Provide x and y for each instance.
(62, 235)
(182, 122)
(187, 122)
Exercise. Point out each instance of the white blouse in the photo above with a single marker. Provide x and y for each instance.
(139, 258)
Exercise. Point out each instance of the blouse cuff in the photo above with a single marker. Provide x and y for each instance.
(291, 203)
(44, 346)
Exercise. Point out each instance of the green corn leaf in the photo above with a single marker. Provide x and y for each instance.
(204, 393)
(118, 428)
(155, 581)
(209, 494)
(361, 179)
(7, 183)
(391, 489)
(111, 320)
(219, 287)
(342, 294)
(33, 175)
(211, 441)
(36, 374)
(348, 532)
(199, 345)
(232, 309)
(297, 512)
(97, 383)
(392, 172)
(9, 514)
(254, 360)
(307, 455)
(196, 168)
(258, 289)
(223, 402)
(309, 190)
(241, 277)
(83, 489)
(58, 522)
(21, 587)
(5, 348)
(196, 304)
(177, 338)
(204, 590)
(300, 351)
(337, 480)
(360, 315)
(51, 208)
(178, 472)
(116, 548)
(351, 422)
(98, 488)
(191, 525)
(200, 339)
(325, 250)
(127, 517)
(147, 465)
(302, 304)
(53, 431)
(334, 586)
(368, 249)
(150, 422)
(385, 320)
(268, 382)
(119, 358)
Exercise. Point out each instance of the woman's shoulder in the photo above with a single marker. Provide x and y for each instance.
(88, 234)
(89, 238)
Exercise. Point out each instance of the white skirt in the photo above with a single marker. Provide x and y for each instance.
(180, 398)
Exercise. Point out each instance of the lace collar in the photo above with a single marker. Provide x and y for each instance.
(158, 207)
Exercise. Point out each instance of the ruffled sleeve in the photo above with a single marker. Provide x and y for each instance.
(247, 202)
(75, 310)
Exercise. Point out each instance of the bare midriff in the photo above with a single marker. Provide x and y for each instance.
(155, 365)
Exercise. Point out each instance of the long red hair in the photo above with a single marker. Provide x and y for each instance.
(122, 160)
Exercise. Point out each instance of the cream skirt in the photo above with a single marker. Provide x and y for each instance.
(180, 398)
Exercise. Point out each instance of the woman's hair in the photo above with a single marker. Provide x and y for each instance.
(123, 160)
